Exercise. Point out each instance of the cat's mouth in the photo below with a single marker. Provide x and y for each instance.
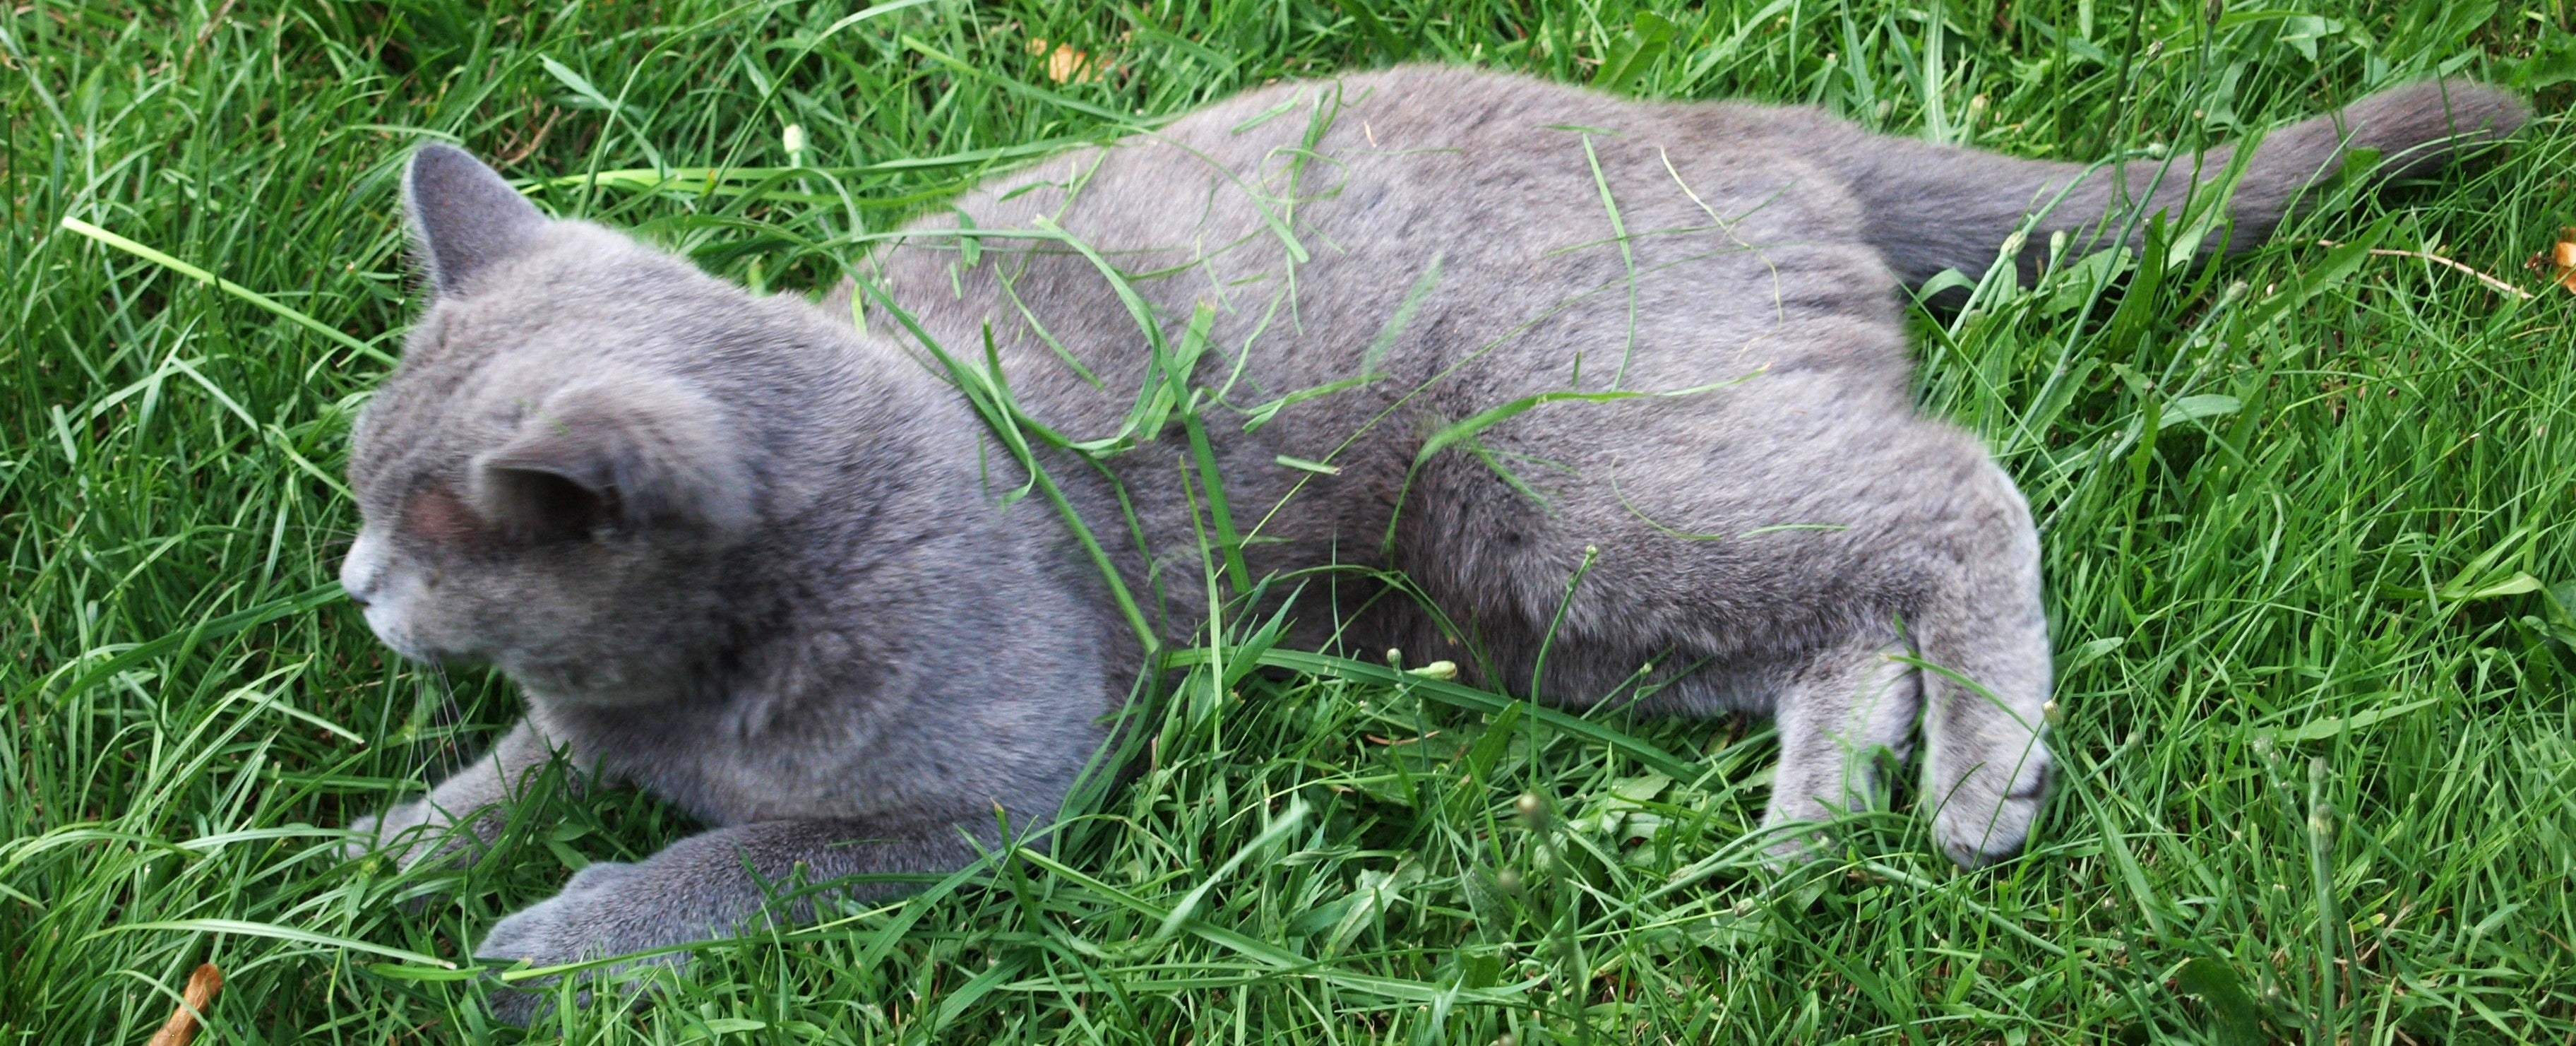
(393, 627)
(389, 630)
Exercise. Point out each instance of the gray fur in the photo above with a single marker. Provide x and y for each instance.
(752, 558)
(479, 219)
(1933, 207)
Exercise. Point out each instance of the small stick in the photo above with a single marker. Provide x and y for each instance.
(205, 31)
(513, 159)
(182, 1025)
(2438, 259)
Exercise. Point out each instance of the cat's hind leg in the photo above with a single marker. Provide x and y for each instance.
(1835, 715)
(1983, 639)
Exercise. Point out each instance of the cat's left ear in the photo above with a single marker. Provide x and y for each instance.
(463, 215)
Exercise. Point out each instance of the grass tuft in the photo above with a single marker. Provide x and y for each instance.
(2309, 563)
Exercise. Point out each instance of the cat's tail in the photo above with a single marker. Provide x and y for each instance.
(1932, 207)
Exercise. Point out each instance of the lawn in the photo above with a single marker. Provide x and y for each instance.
(2310, 567)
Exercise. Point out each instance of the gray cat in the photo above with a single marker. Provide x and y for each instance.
(754, 555)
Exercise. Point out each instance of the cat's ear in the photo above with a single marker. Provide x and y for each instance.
(463, 215)
(617, 456)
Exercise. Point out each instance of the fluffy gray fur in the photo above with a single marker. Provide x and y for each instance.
(753, 557)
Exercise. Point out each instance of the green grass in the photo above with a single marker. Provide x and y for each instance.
(2319, 746)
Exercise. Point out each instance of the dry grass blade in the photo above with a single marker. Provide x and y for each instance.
(2388, 252)
(181, 1028)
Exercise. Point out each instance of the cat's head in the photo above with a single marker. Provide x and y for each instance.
(553, 478)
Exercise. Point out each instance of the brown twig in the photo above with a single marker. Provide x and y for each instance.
(182, 1025)
(539, 139)
(2438, 259)
(204, 31)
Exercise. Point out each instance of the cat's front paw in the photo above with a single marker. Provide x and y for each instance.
(608, 909)
(595, 916)
(412, 832)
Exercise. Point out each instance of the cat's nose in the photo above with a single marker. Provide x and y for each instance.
(361, 569)
(355, 586)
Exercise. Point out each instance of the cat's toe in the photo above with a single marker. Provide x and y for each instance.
(1980, 836)
(598, 915)
(547, 933)
(542, 934)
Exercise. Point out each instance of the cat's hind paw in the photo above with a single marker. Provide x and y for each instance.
(1975, 835)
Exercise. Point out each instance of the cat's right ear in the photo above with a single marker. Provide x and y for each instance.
(617, 453)
(464, 217)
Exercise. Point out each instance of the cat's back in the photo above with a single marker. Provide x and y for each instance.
(1523, 216)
